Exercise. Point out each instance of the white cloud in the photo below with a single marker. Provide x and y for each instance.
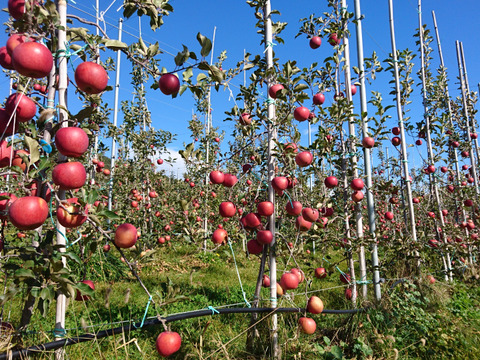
(177, 168)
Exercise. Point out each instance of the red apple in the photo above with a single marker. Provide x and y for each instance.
(396, 141)
(16, 8)
(280, 183)
(307, 325)
(345, 278)
(348, 293)
(265, 281)
(299, 273)
(444, 169)
(272, 91)
(28, 213)
(169, 84)
(252, 221)
(389, 215)
(219, 236)
(368, 142)
(264, 237)
(320, 273)
(32, 59)
(301, 113)
(396, 131)
(245, 119)
(126, 236)
(315, 42)
(331, 182)
(71, 141)
(333, 39)
(294, 208)
(431, 169)
(24, 107)
(7, 126)
(168, 343)
(217, 177)
(304, 158)
(353, 89)
(5, 59)
(265, 208)
(419, 142)
(14, 40)
(301, 224)
(357, 184)
(6, 153)
(91, 77)
(468, 203)
(229, 180)
(73, 216)
(315, 305)
(431, 279)
(81, 297)
(69, 175)
(227, 209)
(318, 99)
(310, 214)
(289, 281)
(254, 247)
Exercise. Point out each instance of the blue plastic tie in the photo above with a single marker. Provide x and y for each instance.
(213, 310)
(145, 314)
(46, 146)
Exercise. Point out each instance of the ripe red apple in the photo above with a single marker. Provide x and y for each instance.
(396, 131)
(265, 208)
(331, 182)
(245, 119)
(73, 216)
(468, 203)
(431, 279)
(474, 136)
(289, 281)
(301, 224)
(252, 220)
(168, 343)
(32, 59)
(24, 107)
(265, 281)
(357, 196)
(81, 297)
(28, 213)
(254, 247)
(5, 204)
(419, 142)
(126, 236)
(280, 183)
(71, 141)
(320, 273)
(18, 160)
(431, 169)
(444, 169)
(264, 237)
(5, 59)
(272, 91)
(294, 208)
(368, 142)
(159, 161)
(301, 113)
(357, 184)
(106, 248)
(307, 325)
(353, 89)
(229, 180)
(219, 236)
(304, 158)
(69, 175)
(91, 77)
(14, 40)
(310, 214)
(333, 39)
(169, 84)
(227, 209)
(314, 305)
(299, 273)
(348, 293)
(396, 141)
(318, 99)
(345, 278)
(16, 8)
(217, 177)
(315, 42)
(465, 154)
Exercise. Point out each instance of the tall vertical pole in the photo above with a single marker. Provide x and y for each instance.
(208, 124)
(113, 155)
(466, 113)
(473, 129)
(431, 159)
(367, 155)
(59, 331)
(413, 230)
(272, 135)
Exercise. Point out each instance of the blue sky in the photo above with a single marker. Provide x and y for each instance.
(235, 32)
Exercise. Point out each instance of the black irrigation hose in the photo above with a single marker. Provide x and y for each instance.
(22, 353)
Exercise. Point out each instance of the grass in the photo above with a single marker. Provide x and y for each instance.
(413, 321)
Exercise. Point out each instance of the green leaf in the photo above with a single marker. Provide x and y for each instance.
(300, 87)
(201, 76)
(84, 289)
(24, 273)
(187, 74)
(337, 352)
(115, 45)
(73, 257)
(32, 146)
(109, 214)
(205, 43)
